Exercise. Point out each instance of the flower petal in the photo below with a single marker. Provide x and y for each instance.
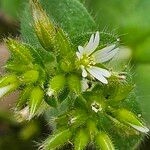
(78, 55)
(93, 43)
(81, 49)
(96, 41)
(84, 84)
(102, 71)
(84, 72)
(89, 45)
(99, 74)
(105, 54)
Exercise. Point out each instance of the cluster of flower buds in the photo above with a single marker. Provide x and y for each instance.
(92, 104)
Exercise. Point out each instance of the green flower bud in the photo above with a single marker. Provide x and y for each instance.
(131, 119)
(9, 79)
(56, 140)
(56, 84)
(30, 76)
(36, 98)
(92, 128)
(74, 83)
(51, 38)
(20, 52)
(24, 96)
(104, 142)
(81, 140)
(8, 89)
(19, 68)
(8, 84)
(66, 65)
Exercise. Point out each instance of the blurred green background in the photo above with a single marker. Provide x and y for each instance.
(130, 19)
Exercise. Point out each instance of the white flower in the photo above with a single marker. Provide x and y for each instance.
(88, 58)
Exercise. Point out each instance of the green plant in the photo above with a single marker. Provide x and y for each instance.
(85, 100)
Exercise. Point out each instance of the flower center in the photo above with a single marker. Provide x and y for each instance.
(87, 61)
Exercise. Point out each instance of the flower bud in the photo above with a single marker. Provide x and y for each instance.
(51, 37)
(24, 96)
(20, 52)
(9, 79)
(35, 101)
(44, 29)
(104, 142)
(56, 140)
(92, 128)
(81, 140)
(56, 84)
(8, 84)
(74, 83)
(30, 76)
(8, 89)
(19, 68)
(131, 119)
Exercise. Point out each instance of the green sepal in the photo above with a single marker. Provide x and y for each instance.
(24, 96)
(16, 68)
(35, 100)
(81, 140)
(8, 79)
(5, 90)
(57, 83)
(116, 91)
(20, 53)
(57, 139)
(131, 119)
(30, 76)
(92, 128)
(74, 83)
(104, 142)
(67, 64)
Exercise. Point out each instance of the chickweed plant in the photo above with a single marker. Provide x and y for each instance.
(61, 66)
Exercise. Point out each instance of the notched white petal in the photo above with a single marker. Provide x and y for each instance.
(80, 48)
(96, 41)
(99, 76)
(78, 55)
(105, 54)
(110, 55)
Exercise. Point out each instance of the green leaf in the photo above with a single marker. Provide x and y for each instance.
(142, 79)
(11, 7)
